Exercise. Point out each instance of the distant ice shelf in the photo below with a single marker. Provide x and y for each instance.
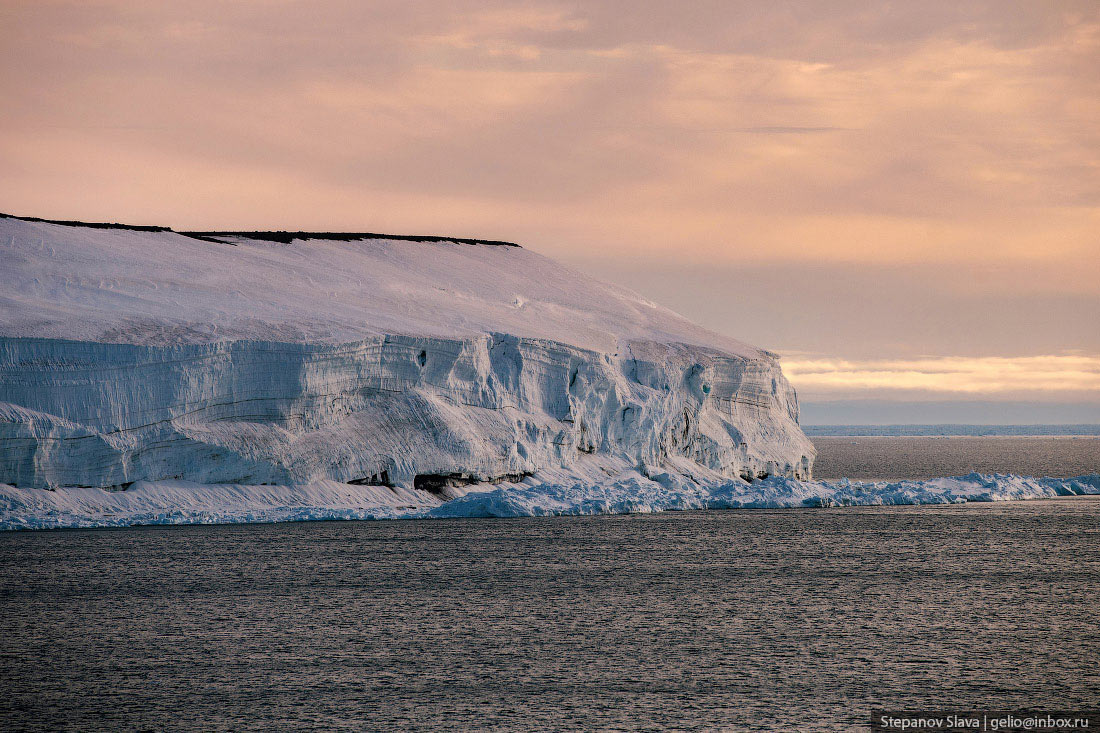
(945, 430)
(177, 502)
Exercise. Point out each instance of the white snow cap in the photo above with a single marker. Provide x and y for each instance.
(119, 285)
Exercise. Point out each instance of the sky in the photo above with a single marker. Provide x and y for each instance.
(901, 199)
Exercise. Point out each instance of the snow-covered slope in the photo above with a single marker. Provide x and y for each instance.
(163, 288)
(424, 366)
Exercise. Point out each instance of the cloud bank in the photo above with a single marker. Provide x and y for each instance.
(1061, 377)
(833, 154)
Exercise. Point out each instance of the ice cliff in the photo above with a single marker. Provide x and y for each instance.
(419, 367)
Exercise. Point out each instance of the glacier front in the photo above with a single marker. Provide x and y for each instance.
(411, 370)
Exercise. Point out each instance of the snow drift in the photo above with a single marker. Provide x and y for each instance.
(412, 371)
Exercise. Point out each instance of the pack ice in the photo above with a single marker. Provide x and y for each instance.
(421, 368)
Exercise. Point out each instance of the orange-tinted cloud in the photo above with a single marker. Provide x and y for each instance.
(716, 135)
(1060, 376)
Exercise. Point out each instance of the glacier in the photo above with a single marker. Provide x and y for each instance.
(422, 364)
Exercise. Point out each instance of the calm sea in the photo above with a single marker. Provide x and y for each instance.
(927, 456)
(741, 620)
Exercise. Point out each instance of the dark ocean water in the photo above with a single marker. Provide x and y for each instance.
(919, 457)
(740, 620)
